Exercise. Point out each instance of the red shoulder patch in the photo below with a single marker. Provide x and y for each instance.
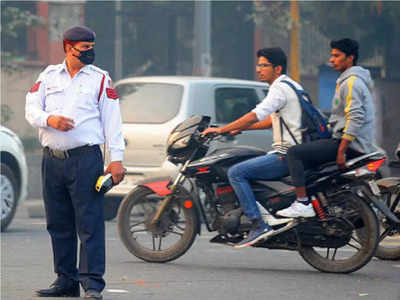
(35, 87)
(111, 93)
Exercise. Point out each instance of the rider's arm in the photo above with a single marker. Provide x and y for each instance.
(354, 111)
(242, 123)
(274, 101)
(341, 155)
(263, 124)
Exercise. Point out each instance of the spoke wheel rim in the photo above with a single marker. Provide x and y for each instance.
(166, 233)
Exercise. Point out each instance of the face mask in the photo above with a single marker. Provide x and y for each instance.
(86, 56)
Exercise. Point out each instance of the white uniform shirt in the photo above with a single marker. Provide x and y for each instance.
(282, 101)
(88, 98)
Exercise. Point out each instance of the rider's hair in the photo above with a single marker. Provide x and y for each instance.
(275, 56)
(348, 46)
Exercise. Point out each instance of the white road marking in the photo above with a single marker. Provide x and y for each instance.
(117, 291)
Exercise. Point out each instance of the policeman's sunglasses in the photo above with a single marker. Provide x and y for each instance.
(263, 65)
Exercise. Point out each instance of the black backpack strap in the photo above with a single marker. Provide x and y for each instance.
(282, 121)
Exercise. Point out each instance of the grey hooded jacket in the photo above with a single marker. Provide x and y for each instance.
(353, 115)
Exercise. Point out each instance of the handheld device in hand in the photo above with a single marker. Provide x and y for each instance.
(104, 183)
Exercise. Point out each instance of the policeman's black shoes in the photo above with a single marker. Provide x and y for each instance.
(93, 295)
(68, 288)
(61, 288)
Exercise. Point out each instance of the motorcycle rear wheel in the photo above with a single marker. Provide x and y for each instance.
(166, 241)
(343, 259)
(388, 248)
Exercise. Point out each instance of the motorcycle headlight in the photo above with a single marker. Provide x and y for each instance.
(181, 143)
(171, 138)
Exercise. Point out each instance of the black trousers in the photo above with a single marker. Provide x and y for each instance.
(310, 155)
(74, 208)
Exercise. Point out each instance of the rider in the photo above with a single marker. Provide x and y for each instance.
(352, 123)
(281, 101)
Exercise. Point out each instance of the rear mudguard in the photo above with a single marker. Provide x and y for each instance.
(376, 202)
(159, 185)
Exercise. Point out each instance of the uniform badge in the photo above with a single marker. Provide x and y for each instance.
(35, 87)
(111, 93)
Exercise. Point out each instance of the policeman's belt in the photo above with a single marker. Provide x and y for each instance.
(72, 152)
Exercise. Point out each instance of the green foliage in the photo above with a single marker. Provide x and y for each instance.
(369, 22)
(274, 15)
(13, 19)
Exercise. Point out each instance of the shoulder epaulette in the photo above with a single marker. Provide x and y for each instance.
(97, 69)
(50, 68)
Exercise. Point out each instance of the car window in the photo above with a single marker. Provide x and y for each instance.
(149, 102)
(232, 103)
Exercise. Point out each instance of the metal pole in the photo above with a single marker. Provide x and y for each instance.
(118, 41)
(294, 41)
(202, 39)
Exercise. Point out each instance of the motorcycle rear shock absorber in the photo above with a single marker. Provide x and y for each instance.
(318, 208)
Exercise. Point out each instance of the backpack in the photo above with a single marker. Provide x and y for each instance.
(313, 122)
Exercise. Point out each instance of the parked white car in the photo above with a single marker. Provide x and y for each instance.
(152, 106)
(13, 176)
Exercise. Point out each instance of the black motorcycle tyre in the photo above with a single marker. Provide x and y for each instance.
(146, 254)
(354, 263)
(388, 253)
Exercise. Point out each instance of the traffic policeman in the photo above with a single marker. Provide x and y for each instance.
(76, 109)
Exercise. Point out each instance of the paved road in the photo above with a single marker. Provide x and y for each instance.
(207, 271)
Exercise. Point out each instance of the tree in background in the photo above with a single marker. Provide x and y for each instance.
(14, 23)
(14, 20)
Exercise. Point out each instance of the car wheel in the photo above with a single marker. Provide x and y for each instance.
(8, 196)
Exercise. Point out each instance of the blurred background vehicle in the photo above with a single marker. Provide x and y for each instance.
(13, 175)
(390, 190)
(152, 106)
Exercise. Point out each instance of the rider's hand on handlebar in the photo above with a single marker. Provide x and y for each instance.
(211, 131)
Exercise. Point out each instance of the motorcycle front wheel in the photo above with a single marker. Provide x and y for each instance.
(165, 241)
(358, 251)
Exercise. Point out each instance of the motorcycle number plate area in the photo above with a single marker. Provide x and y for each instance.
(374, 188)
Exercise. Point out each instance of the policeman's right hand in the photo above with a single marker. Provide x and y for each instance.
(60, 123)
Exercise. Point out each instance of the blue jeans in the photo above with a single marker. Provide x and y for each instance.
(267, 167)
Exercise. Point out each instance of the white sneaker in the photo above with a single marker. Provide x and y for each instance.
(297, 210)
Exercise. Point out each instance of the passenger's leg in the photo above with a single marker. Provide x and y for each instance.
(300, 158)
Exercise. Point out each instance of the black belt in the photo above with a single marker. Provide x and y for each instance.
(72, 152)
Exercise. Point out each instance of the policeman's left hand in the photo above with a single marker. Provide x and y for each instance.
(117, 171)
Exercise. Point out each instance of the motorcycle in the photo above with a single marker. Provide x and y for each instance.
(390, 190)
(160, 218)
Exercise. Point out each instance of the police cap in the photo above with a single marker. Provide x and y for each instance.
(79, 34)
